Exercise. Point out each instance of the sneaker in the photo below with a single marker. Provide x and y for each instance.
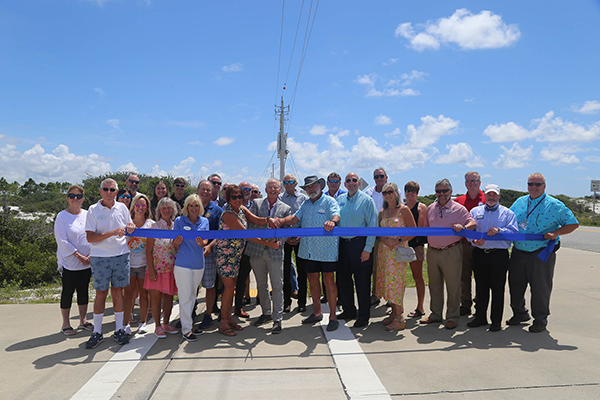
(121, 337)
(94, 340)
(190, 337)
(206, 321)
(517, 319)
(537, 327)
(263, 319)
(143, 328)
(127, 329)
(276, 327)
(169, 329)
(159, 332)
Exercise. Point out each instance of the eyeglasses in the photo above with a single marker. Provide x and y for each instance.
(472, 181)
(334, 180)
(255, 191)
(246, 189)
(411, 191)
(216, 183)
(240, 197)
(387, 192)
(351, 180)
(125, 196)
(73, 195)
(378, 176)
(140, 205)
(440, 191)
(112, 190)
(289, 182)
(536, 184)
(133, 182)
(179, 185)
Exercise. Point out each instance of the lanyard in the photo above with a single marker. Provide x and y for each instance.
(528, 204)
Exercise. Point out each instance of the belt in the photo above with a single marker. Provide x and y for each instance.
(447, 247)
(487, 251)
(352, 239)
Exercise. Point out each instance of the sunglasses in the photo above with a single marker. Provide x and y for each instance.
(125, 196)
(134, 182)
(378, 176)
(112, 190)
(536, 184)
(387, 192)
(239, 197)
(289, 182)
(246, 189)
(140, 205)
(334, 181)
(411, 191)
(351, 180)
(77, 196)
(255, 191)
(179, 185)
(472, 181)
(216, 183)
(440, 191)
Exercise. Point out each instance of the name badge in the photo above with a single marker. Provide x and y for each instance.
(479, 217)
(187, 228)
(321, 211)
(523, 225)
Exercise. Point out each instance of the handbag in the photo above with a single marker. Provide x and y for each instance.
(405, 254)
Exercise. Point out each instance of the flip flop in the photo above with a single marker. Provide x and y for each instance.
(88, 326)
(235, 326)
(68, 331)
(416, 313)
(227, 331)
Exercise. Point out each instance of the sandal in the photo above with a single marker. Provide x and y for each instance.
(226, 331)
(388, 320)
(88, 326)
(68, 331)
(416, 313)
(398, 324)
(233, 325)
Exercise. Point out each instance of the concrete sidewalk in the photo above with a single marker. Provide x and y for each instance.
(420, 362)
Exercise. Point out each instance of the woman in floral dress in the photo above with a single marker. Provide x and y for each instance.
(391, 274)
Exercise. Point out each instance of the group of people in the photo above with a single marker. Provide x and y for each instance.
(94, 244)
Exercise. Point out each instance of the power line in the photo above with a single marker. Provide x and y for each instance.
(294, 45)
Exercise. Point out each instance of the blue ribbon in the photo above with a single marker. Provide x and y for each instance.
(338, 231)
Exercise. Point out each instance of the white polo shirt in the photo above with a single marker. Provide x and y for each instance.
(102, 219)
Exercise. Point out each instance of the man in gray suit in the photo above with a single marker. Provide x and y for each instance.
(267, 261)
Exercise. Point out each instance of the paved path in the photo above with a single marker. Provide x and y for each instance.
(421, 362)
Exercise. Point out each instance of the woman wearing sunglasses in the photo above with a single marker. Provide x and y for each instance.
(228, 252)
(124, 196)
(142, 218)
(73, 255)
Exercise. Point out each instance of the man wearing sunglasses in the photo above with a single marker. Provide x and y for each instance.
(541, 214)
(444, 254)
(355, 265)
(179, 185)
(105, 226)
(215, 179)
(334, 181)
(380, 177)
(133, 184)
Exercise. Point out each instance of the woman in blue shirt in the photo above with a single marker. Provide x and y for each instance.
(189, 264)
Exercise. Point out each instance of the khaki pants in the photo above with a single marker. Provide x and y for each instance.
(444, 266)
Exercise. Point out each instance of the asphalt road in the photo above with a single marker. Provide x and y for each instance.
(584, 238)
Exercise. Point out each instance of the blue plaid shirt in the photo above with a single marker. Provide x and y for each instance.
(314, 215)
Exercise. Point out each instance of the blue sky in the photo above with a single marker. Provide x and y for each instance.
(428, 90)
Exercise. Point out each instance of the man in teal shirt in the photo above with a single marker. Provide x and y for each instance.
(541, 214)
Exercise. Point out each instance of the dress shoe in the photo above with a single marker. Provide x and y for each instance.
(346, 316)
(301, 308)
(294, 294)
(495, 327)
(323, 300)
(428, 320)
(287, 309)
(332, 325)
(537, 327)
(450, 325)
(312, 318)
(241, 313)
(476, 322)
(263, 319)
(361, 323)
(516, 319)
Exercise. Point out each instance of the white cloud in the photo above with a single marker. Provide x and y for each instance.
(472, 99)
(343, 133)
(460, 153)
(514, 157)
(129, 167)
(114, 123)
(560, 154)
(383, 120)
(468, 31)
(392, 93)
(236, 67)
(367, 79)
(184, 167)
(395, 132)
(318, 130)
(589, 107)
(545, 129)
(100, 91)
(196, 143)
(431, 130)
(592, 159)
(391, 61)
(60, 165)
(223, 141)
(407, 79)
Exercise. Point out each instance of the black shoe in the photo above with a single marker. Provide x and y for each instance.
(476, 322)
(346, 316)
(465, 311)
(94, 340)
(495, 327)
(263, 319)
(276, 327)
(120, 337)
(516, 320)
(332, 325)
(301, 308)
(537, 327)
(287, 309)
(216, 309)
(190, 337)
(361, 323)
(323, 300)
(312, 318)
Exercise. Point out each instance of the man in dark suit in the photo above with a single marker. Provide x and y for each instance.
(266, 261)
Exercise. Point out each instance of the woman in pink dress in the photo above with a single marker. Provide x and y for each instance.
(160, 281)
(391, 274)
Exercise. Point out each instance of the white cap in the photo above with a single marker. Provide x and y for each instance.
(492, 188)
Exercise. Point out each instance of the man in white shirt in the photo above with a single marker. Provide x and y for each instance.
(106, 224)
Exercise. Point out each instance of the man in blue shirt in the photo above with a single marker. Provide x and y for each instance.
(490, 258)
(355, 264)
(334, 181)
(320, 253)
(541, 214)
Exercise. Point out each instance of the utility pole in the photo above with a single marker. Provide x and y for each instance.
(282, 150)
